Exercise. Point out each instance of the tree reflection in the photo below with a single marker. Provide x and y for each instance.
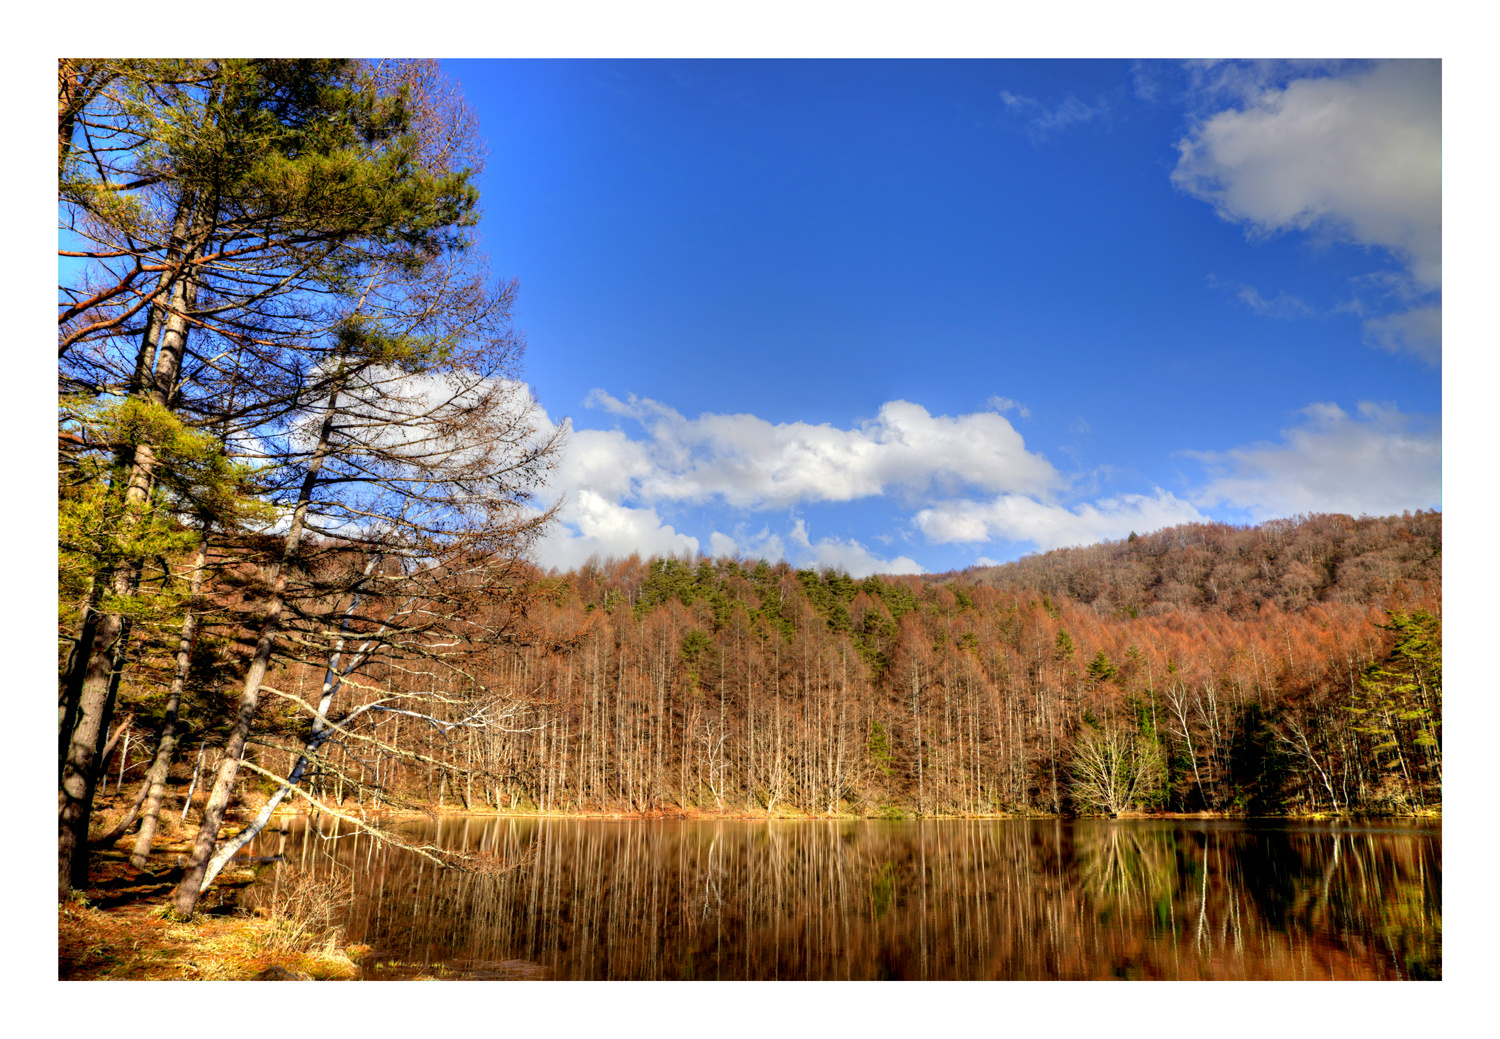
(1124, 868)
(868, 900)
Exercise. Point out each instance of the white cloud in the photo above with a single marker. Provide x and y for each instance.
(1242, 81)
(1359, 155)
(455, 420)
(746, 462)
(1418, 331)
(1019, 518)
(1281, 306)
(1379, 463)
(613, 483)
(762, 545)
(590, 524)
(722, 545)
(850, 556)
(1042, 119)
(858, 561)
(1004, 404)
(1355, 156)
(606, 461)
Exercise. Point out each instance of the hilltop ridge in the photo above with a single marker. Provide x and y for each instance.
(1289, 563)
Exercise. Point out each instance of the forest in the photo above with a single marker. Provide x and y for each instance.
(681, 686)
(300, 478)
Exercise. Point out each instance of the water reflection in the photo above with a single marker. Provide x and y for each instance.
(601, 899)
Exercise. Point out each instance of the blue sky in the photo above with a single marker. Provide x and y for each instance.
(914, 315)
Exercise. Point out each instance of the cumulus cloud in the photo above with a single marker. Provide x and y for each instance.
(1353, 156)
(749, 463)
(615, 483)
(1019, 518)
(590, 524)
(1375, 461)
(1380, 462)
(1359, 155)
(850, 556)
(762, 545)
(452, 420)
(722, 545)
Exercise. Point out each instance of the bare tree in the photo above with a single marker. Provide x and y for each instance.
(1114, 768)
(422, 461)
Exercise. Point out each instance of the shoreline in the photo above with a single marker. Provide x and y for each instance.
(1429, 815)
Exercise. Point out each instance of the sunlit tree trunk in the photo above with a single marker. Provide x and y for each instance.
(101, 652)
(166, 744)
(185, 899)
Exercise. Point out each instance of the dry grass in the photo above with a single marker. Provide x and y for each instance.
(300, 907)
(123, 932)
(135, 944)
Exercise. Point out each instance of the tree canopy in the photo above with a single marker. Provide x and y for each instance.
(276, 345)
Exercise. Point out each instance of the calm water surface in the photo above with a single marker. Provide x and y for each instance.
(992, 900)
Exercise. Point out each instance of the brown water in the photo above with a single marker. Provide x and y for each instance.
(993, 900)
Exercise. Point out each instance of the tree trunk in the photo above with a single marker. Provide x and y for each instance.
(105, 840)
(185, 899)
(101, 659)
(331, 685)
(187, 801)
(80, 771)
(166, 744)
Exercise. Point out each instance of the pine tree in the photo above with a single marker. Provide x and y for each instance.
(1399, 701)
(222, 202)
(1100, 669)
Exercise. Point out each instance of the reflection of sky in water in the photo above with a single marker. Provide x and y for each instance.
(939, 900)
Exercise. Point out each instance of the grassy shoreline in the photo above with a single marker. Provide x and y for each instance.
(119, 930)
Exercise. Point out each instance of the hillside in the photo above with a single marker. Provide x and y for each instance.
(1288, 563)
(1289, 668)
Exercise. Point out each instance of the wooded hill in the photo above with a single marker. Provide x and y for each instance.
(675, 685)
(1288, 563)
(1309, 680)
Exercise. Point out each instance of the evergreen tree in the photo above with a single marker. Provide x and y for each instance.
(1100, 669)
(1399, 701)
(222, 202)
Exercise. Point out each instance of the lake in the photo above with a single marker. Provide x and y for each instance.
(937, 900)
